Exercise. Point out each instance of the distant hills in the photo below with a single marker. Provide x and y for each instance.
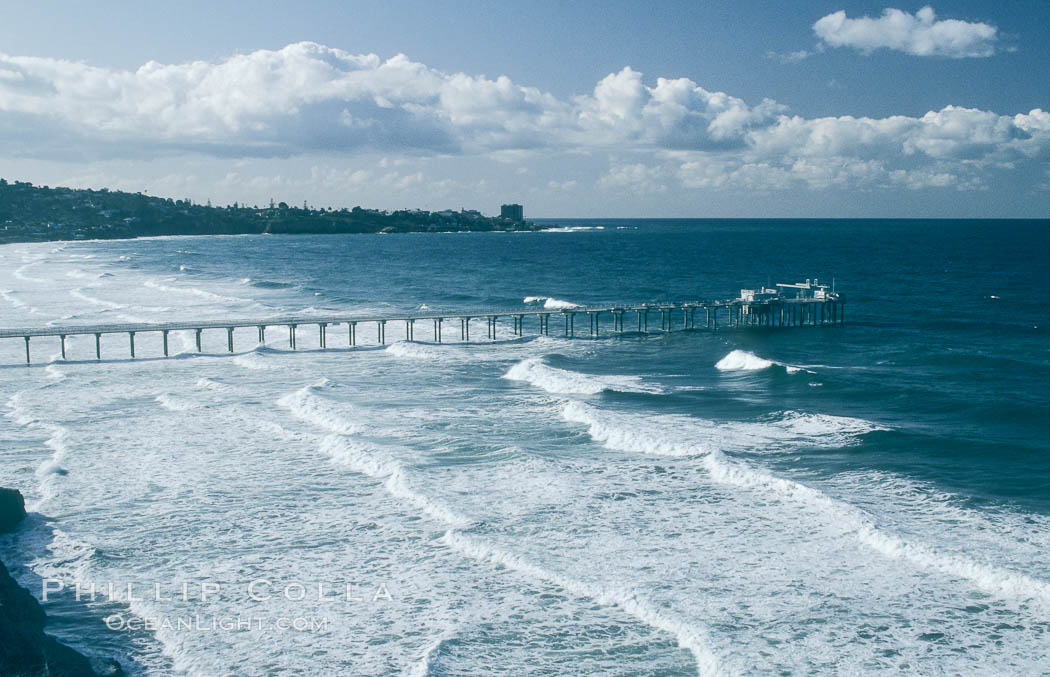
(31, 213)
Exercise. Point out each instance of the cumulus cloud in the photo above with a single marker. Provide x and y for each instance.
(919, 34)
(636, 178)
(308, 99)
(675, 114)
(950, 148)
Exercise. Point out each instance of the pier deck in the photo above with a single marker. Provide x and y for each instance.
(737, 314)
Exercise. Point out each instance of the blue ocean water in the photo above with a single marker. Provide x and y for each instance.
(866, 498)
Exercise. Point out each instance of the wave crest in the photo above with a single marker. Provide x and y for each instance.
(306, 405)
(551, 303)
(566, 382)
(745, 360)
(742, 360)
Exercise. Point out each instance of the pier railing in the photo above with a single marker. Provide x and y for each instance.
(737, 313)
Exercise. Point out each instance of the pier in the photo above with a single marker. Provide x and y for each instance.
(767, 309)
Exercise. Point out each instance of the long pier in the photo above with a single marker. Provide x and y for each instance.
(738, 313)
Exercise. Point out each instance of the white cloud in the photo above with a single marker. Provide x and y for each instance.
(919, 34)
(308, 99)
(636, 178)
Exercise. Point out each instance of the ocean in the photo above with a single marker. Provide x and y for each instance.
(871, 498)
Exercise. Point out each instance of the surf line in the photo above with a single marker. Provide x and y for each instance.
(341, 444)
(856, 522)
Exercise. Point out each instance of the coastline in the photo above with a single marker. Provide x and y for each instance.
(31, 213)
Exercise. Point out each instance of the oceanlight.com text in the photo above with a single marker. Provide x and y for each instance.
(199, 623)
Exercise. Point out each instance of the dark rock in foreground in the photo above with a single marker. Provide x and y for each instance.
(25, 650)
(12, 509)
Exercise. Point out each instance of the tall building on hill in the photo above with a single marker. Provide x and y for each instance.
(513, 212)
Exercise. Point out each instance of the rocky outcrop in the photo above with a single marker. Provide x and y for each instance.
(25, 650)
(12, 509)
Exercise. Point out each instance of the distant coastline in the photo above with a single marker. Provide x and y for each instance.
(31, 213)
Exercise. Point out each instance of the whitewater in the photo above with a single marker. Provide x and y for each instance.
(687, 503)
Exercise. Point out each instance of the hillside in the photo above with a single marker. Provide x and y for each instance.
(31, 213)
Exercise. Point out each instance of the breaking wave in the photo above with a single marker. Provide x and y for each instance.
(308, 405)
(689, 636)
(415, 351)
(152, 284)
(359, 455)
(553, 304)
(647, 435)
(572, 229)
(368, 459)
(563, 381)
(79, 293)
(173, 402)
(743, 360)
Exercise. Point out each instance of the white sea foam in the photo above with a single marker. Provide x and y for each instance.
(644, 436)
(689, 635)
(255, 360)
(744, 360)
(211, 384)
(173, 402)
(425, 665)
(20, 273)
(368, 459)
(9, 296)
(51, 467)
(68, 556)
(415, 351)
(80, 274)
(551, 303)
(671, 435)
(839, 429)
(572, 229)
(631, 438)
(79, 294)
(57, 441)
(553, 380)
(204, 294)
(344, 446)
(307, 405)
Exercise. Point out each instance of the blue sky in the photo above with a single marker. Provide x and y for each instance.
(572, 108)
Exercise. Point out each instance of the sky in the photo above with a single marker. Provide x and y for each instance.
(573, 109)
